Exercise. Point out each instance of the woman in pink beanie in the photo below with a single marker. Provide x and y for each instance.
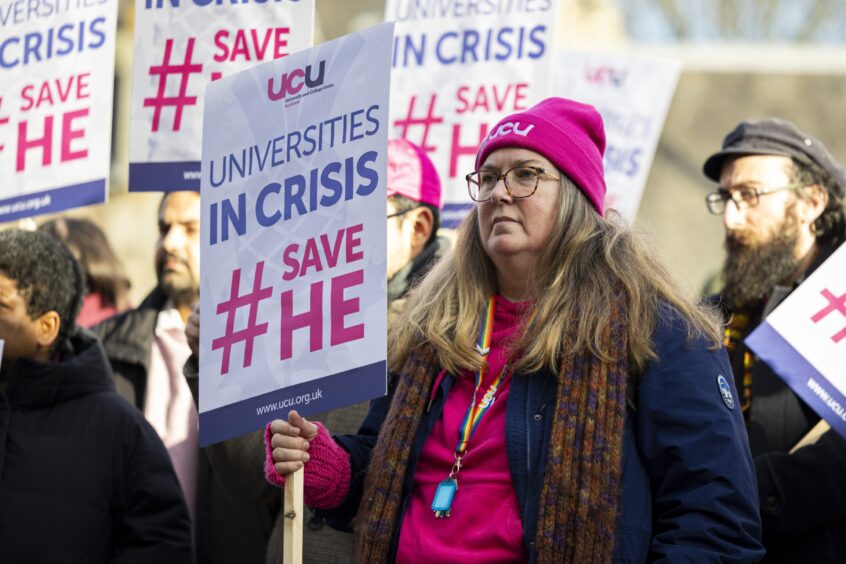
(553, 395)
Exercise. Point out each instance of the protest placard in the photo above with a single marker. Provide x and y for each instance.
(633, 95)
(458, 69)
(293, 289)
(804, 341)
(181, 46)
(57, 64)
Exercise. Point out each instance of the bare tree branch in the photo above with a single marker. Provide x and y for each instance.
(674, 18)
(821, 10)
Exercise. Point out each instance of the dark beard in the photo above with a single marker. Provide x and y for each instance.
(181, 288)
(752, 271)
(180, 295)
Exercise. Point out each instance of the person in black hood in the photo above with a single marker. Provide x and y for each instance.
(83, 477)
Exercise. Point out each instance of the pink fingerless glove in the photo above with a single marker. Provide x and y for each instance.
(327, 473)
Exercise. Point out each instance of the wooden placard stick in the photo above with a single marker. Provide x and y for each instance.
(294, 518)
(812, 436)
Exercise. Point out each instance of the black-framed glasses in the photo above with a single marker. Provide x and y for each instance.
(520, 182)
(401, 213)
(742, 197)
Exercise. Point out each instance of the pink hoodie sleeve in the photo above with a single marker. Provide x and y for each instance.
(327, 473)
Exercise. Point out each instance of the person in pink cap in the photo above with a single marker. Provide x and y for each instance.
(553, 396)
(414, 206)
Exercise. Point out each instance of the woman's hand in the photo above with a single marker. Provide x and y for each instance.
(290, 441)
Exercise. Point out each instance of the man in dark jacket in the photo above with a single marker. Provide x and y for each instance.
(414, 203)
(84, 477)
(781, 197)
(147, 350)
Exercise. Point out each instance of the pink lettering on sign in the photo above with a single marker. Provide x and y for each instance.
(69, 134)
(27, 143)
(230, 307)
(340, 307)
(70, 139)
(165, 70)
(333, 302)
(458, 150)
(835, 303)
(426, 122)
(3, 121)
(312, 319)
(250, 44)
(317, 254)
(323, 252)
(493, 98)
(56, 91)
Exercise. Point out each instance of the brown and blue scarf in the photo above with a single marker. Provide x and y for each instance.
(580, 494)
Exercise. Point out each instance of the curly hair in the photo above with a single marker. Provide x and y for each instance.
(830, 226)
(46, 274)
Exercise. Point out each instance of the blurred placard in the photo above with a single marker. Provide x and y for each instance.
(632, 94)
(459, 67)
(57, 63)
(181, 46)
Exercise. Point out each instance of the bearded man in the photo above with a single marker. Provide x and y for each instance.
(781, 197)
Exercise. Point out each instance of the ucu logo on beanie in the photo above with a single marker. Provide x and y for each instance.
(511, 127)
(568, 133)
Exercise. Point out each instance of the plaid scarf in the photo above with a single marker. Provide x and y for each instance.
(579, 498)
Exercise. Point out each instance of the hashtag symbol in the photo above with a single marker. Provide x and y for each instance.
(835, 303)
(229, 307)
(163, 71)
(426, 122)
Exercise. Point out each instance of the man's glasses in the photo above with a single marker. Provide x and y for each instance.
(742, 197)
(402, 213)
(520, 182)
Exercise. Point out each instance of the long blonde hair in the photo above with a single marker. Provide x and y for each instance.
(587, 260)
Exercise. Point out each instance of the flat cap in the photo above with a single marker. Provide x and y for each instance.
(775, 136)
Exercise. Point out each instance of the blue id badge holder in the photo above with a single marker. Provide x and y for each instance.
(443, 497)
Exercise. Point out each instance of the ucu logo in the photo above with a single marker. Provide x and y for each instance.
(606, 75)
(292, 82)
(488, 398)
(511, 127)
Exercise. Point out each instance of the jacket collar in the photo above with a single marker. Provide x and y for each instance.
(82, 370)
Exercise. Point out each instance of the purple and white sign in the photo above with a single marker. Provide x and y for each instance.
(804, 341)
(57, 65)
(633, 95)
(460, 67)
(181, 46)
(294, 285)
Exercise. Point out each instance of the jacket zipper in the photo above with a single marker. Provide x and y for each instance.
(528, 424)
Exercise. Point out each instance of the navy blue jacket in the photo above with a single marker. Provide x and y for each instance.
(688, 491)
